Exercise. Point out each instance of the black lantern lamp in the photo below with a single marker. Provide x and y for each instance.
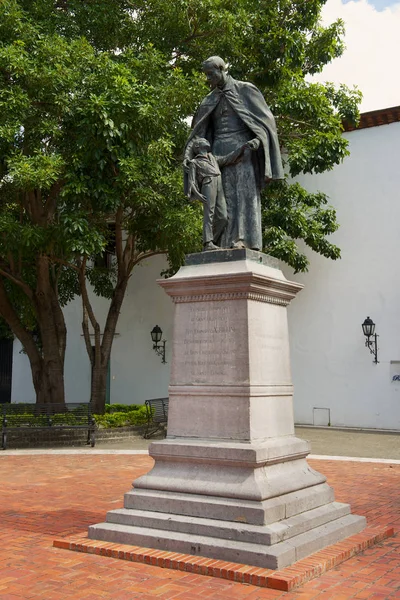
(158, 345)
(368, 328)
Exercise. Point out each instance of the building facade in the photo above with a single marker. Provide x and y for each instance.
(336, 381)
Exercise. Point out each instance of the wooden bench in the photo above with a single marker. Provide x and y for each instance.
(157, 416)
(48, 416)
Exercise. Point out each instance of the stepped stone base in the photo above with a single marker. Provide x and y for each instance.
(277, 556)
(235, 502)
(231, 480)
(233, 510)
(273, 547)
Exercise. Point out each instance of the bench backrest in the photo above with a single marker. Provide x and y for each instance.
(39, 415)
(157, 409)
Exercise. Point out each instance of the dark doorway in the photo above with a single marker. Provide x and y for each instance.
(6, 352)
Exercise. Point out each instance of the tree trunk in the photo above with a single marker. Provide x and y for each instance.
(48, 371)
(47, 364)
(49, 384)
(48, 381)
(101, 359)
(99, 388)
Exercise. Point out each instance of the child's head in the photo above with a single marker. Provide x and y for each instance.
(201, 145)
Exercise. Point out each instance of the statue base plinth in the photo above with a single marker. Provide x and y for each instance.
(231, 480)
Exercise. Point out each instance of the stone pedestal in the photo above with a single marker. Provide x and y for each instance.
(231, 480)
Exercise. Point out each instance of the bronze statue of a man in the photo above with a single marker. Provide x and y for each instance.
(234, 114)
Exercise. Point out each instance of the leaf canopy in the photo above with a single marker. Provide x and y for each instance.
(94, 101)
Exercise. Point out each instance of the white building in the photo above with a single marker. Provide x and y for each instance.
(335, 379)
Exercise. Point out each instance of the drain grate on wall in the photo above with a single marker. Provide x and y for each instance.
(321, 416)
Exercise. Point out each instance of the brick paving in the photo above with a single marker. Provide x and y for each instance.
(286, 579)
(51, 496)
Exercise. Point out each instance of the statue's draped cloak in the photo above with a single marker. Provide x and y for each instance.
(249, 104)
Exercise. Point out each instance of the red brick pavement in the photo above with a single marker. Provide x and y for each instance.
(49, 496)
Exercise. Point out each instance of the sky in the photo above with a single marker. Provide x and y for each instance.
(372, 53)
(379, 4)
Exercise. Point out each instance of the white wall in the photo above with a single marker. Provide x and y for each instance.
(331, 367)
(21, 382)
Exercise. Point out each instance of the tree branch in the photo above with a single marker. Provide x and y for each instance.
(21, 284)
(51, 202)
(142, 256)
(129, 253)
(86, 334)
(292, 120)
(12, 319)
(65, 263)
(119, 250)
(85, 296)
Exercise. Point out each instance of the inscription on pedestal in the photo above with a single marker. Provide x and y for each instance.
(204, 344)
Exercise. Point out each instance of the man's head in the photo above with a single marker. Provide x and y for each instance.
(201, 146)
(215, 69)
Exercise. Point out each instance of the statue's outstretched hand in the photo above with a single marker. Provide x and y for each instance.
(253, 144)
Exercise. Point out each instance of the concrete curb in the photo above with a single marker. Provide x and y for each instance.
(354, 459)
(66, 451)
(94, 451)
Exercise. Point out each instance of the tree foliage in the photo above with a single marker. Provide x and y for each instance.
(87, 137)
(94, 101)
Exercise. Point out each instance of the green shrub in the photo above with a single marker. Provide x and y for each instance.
(21, 419)
(135, 415)
(122, 408)
(138, 416)
(68, 418)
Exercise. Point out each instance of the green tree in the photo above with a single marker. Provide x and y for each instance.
(94, 97)
(32, 173)
(86, 139)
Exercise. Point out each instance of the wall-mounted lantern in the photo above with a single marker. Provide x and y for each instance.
(158, 345)
(368, 328)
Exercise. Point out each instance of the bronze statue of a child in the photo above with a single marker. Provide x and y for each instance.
(205, 184)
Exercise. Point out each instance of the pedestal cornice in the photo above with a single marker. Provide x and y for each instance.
(245, 285)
